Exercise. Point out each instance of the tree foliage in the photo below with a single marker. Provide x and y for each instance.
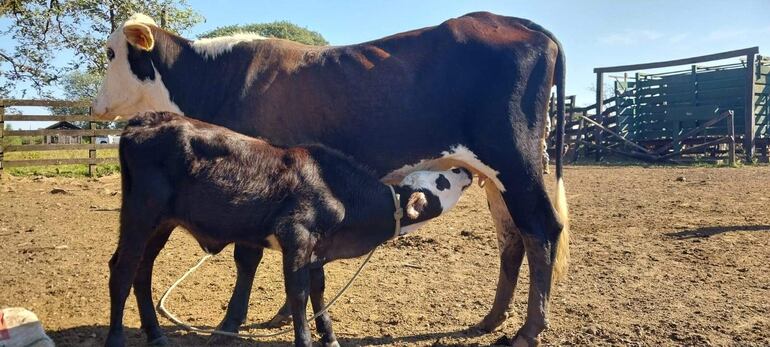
(280, 29)
(45, 33)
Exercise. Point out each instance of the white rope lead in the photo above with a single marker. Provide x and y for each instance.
(178, 322)
(397, 215)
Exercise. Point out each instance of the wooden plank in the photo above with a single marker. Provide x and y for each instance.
(599, 114)
(731, 138)
(695, 131)
(83, 132)
(685, 61)
(696, 149)
(46, 162)
(54, 118)
(599, 126)
(44, 103)
(84, 146)
(748, 136)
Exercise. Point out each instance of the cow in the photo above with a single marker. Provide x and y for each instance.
(312, 203)
(471, 92)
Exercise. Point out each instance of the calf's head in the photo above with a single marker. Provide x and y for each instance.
(132, 83)
(430, 194)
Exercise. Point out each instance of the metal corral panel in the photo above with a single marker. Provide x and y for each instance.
(662, 106)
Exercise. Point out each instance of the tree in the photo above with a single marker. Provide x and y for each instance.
(44, 31)
(78, 86)
(280, 29)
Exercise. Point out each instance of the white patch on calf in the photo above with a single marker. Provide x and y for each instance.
(457, 155)
(213, 47)
(448, 196)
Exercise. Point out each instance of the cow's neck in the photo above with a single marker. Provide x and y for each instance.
(201, 87)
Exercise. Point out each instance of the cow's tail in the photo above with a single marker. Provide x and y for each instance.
(562, 245)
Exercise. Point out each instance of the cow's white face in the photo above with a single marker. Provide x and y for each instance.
(123, 93)
(446, 186)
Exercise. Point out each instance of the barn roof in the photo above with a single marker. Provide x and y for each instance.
(63, 125)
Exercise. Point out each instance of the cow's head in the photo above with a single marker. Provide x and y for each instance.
(132, 83)
(431, 193)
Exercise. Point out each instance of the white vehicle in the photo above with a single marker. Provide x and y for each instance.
(109, 139)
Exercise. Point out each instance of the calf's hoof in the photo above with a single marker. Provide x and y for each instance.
(278, 321)
(158, 341)
(332, 344)
(525, 341)
(491, 322)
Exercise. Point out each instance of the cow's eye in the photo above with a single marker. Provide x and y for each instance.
(110, 53)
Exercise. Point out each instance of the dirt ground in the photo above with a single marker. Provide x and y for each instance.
(660, 256)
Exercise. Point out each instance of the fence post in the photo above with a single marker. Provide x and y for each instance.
(599, 113)
(748, 137)
(92, 150)
(2, 138)
(731, 137)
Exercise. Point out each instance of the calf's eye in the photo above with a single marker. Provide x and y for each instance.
(110, 54)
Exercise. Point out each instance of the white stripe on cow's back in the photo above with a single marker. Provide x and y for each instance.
(213, 47)
(457, 155)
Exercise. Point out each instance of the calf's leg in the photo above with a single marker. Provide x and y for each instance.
(143, 286)
(135, 230)
(296, 246)
(323, 322)
(247, 260)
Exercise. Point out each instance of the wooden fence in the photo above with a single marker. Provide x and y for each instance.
(91, 133)
(657, 108)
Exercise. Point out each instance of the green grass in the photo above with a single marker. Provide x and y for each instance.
(77, 170)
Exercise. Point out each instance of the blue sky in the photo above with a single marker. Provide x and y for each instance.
(593, 33)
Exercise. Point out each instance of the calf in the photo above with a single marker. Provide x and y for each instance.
(310, 202)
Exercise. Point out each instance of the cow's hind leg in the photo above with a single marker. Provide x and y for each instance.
(247, 260)
(323, 322)
(143, 286)
(540, 229)
(511, 256)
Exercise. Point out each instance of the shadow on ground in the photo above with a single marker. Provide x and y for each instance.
(94, 335)
(711, 231)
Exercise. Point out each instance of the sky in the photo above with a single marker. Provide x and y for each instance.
(593, 33)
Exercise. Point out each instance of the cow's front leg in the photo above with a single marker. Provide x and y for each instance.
(323, 322)
(511, 255)
(247, 260)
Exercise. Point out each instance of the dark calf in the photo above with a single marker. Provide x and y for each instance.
(310, 202)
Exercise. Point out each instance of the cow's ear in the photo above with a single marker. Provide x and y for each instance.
(139, 36)
(416, 204)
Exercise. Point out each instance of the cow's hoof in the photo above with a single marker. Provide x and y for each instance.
(115, 340)
(332, 344)
(158, 341)
(278, 321)
(491, 322)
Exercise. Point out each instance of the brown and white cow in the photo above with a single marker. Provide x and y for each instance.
(472, 92)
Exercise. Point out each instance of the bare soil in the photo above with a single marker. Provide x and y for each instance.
(660, 256)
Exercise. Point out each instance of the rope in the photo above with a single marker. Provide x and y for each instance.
(162, 302)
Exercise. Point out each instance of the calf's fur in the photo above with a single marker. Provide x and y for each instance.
(311, 202)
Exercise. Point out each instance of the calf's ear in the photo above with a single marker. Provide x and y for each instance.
(416, 204)
(139, 36)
